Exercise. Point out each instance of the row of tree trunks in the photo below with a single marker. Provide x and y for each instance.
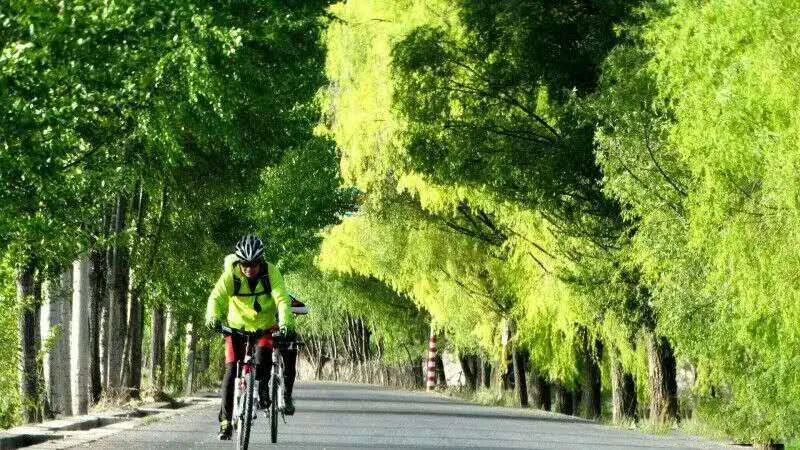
(107, 333)
(63, 320)
(587, 398)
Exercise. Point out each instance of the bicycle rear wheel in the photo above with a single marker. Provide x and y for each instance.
(243, 428)
(273, 409)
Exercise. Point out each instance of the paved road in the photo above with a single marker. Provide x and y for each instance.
(356, 416)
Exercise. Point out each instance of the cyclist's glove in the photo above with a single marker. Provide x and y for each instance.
(214, 324)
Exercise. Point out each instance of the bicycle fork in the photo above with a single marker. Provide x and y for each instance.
(241, 389)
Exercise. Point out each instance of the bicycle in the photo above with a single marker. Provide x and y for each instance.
(276, 381)
(245, 393)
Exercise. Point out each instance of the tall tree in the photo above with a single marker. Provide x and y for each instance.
(28, 323)
(56, 314)
(80, 352)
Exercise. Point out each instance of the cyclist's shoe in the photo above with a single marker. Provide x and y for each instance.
(288, 405)
(263, 402)
(225, 431)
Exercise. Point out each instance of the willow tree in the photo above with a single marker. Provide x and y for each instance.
(458, 109)
(700, 148)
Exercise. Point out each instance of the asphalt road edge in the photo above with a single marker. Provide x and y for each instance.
(78, 430)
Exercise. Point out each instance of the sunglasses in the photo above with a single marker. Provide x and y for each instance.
(250, 264)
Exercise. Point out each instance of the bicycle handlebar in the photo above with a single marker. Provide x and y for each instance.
(277, 336)
(244, 333)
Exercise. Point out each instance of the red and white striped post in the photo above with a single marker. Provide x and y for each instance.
(432, 362)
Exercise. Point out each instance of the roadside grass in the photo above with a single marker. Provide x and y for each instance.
(689, 427)
(123, 401)
(149, 420)
(702, 429)
(483, 396)
(645, 426)
(115, 402)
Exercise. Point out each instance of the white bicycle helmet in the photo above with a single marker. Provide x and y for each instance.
(249, 249)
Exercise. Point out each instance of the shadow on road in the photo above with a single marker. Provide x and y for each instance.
(453, 414)
(383, 399)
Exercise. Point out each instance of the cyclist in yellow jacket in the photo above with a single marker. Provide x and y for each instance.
(248, 296)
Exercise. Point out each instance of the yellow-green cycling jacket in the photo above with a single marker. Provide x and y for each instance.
(239, 311)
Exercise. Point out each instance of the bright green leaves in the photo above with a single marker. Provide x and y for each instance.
(698, 143)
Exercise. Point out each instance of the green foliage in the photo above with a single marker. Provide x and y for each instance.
(203, 110)
(699, 146)
(476, 160)
(9, 342)
(562, 170)
(399, 327)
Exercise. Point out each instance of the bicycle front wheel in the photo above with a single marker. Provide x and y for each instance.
(243, 429)
(273, 411)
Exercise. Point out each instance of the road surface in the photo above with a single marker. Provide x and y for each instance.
(356, 416)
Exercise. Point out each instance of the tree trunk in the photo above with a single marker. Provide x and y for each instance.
(520, 382)
(417, 372)
(133, 346)
(661, 375)
(117, 319)
(133, 340)
(172, 353)
(769, 446)
(29, 343)
(191, 346)
(104, 320)
(486, 374)
(365, 336)
(55, 330)
(334, 357)
(80, 338)
(441, 377)
(97, 285)
(539, 391)
(204, 356)
(157, 349)
(469, 367)
(591, 399)
(623, 392)
(562, 399)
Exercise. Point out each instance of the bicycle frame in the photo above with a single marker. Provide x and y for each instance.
(277, 374)
(276, 385)
(244, 367)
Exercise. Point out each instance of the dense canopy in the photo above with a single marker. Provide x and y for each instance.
(583, 200)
